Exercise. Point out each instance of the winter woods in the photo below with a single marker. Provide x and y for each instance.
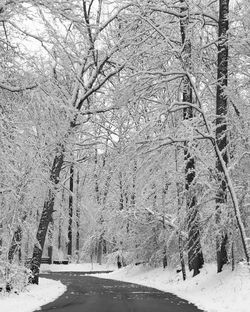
(124, 132)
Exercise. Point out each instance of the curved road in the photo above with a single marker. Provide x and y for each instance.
(91, 294)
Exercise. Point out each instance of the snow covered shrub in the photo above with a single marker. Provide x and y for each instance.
(117, 256)
(13, 277)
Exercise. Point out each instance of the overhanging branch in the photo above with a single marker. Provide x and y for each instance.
(16, 89)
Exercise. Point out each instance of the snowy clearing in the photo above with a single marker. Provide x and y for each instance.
(76, 267)
(33, 297)
(212, 292)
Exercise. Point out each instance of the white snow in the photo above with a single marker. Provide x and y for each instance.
(47, 291)
(76, 267)
(224, 292)
(33, 297)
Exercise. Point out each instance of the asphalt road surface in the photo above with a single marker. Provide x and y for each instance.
(91, 294)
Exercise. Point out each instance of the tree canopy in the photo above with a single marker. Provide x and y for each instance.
(124, 132)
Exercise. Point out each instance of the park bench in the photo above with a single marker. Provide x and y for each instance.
(61, 262)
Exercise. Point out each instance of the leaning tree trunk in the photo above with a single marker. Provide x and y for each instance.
(195, 256)
(46, 216)
(221, 126)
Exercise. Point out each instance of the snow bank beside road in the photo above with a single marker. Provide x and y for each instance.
(76, 267)
(33, 297)
(224, 292)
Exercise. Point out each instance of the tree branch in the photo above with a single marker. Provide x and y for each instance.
(17, 89)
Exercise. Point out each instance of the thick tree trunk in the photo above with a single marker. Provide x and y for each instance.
(46, 216)
(71, 188)
(195, 256)
(221, 126)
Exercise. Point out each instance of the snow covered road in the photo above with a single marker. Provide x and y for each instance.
(87, 293)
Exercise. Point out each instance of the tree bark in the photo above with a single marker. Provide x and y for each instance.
(61, 221)
(121, 201)
(16, 242)
(133, 195)
(15, 245)
(71, 188)
(50, 241)
(181, 253)
(78, 214)
(221, 126)
(195, 256)
(1, 239)
(179, 204)
(46, 216)
(100, 249)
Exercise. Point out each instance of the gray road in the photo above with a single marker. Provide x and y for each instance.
(91, 294)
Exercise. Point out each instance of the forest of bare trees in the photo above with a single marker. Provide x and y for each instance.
(125, 132)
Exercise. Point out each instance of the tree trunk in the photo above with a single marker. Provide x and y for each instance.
(232, 256)
(121, 201)
(46, 216)
(133, 195)
(97, 191)
(50, 241)
(100, 250)
(1, 239)
(182, 260)
(71, 188)
(15, 245)
(78, 215)
(60, 233)
(61, 221)
(179, 204)
(221, 126)
(195, 256)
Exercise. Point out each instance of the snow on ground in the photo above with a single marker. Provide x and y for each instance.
(47, 291)
(76, 267)
(33, 297)
(224, 292)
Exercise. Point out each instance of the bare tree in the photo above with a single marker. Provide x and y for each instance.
(221, 125)
(195, 256)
